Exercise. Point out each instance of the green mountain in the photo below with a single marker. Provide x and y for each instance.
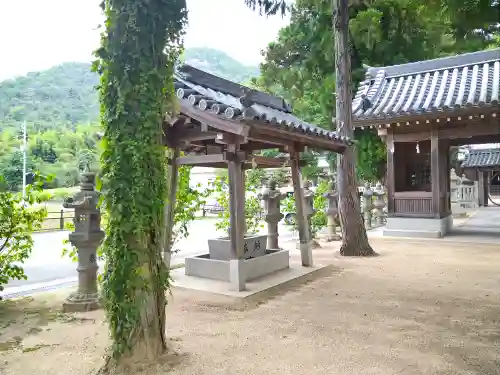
(62, 94)
(220, 64)
(65, 94)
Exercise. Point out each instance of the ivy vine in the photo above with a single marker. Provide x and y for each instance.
(139, 48)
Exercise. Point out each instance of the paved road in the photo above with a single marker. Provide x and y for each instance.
(47, 269)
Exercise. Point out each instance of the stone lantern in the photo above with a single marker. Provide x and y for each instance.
(379, 203)
(86, 237)
(367, 205)
(332, 210)
(309, 206)
(272, 202)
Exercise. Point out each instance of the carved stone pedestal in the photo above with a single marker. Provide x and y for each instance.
(332, 211)
(332, 230)
(86, 297)
(272, 202)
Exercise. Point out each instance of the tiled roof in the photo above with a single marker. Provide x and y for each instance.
(430, 86)
(482, 158)
(229, 100)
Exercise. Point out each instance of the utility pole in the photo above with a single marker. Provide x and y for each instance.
(25, 150)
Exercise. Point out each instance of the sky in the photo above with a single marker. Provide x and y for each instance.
(39, 34)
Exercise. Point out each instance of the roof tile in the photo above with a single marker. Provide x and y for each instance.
(467, 80)
(482, 158)
(224, 104)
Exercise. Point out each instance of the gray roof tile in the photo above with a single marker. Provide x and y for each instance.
(482, 158)
(444, 84)
(223, 102)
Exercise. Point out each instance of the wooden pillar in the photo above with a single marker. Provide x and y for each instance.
(448, 180)
(390, 181)
(436, 172)
(487, 176)
(480, 187)
(304, 240)
(236, 202)
(243, 184)
(173, 177)
(483, 185)
(444, 176)
(236, 218)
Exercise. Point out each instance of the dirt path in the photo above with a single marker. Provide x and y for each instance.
(416, 309)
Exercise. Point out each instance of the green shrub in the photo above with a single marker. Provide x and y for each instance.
(18, 219)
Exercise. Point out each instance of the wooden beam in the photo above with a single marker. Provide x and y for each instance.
(471, 130)
(439, 114)
(200, 159)
(193, 135)
(267, 161)
(477, 140)
(269, 142)
(254, 145)
(411, 137)
(227, 138)
(287, 138)
(454, 130)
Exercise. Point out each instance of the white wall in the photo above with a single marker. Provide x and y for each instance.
(202, 176)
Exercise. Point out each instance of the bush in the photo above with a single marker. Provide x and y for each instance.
(56, 195)
(319, 219)
(253, 208)
(18, 219)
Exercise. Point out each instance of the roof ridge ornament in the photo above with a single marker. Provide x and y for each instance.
(178, 70)
(246, 100)
(365, 102)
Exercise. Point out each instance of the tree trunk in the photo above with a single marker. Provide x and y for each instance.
(136, 61)
(354, 238)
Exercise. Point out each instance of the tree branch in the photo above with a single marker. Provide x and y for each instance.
(9, 236)
(269, 7)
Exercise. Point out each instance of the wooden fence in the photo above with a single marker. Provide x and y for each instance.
(57, 220)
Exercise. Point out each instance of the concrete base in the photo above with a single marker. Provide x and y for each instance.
(258, 288)
(237, 274)
(418, 227)
(237, 271)
(254, 246)
(78, 302)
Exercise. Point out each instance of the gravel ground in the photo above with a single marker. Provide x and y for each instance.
(418, 308)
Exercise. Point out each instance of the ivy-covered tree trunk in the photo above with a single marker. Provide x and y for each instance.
(138, 50)
(354, 238)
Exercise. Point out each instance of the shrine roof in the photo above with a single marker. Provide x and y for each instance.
(215, 96)
(482, 158)
(440, 86)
